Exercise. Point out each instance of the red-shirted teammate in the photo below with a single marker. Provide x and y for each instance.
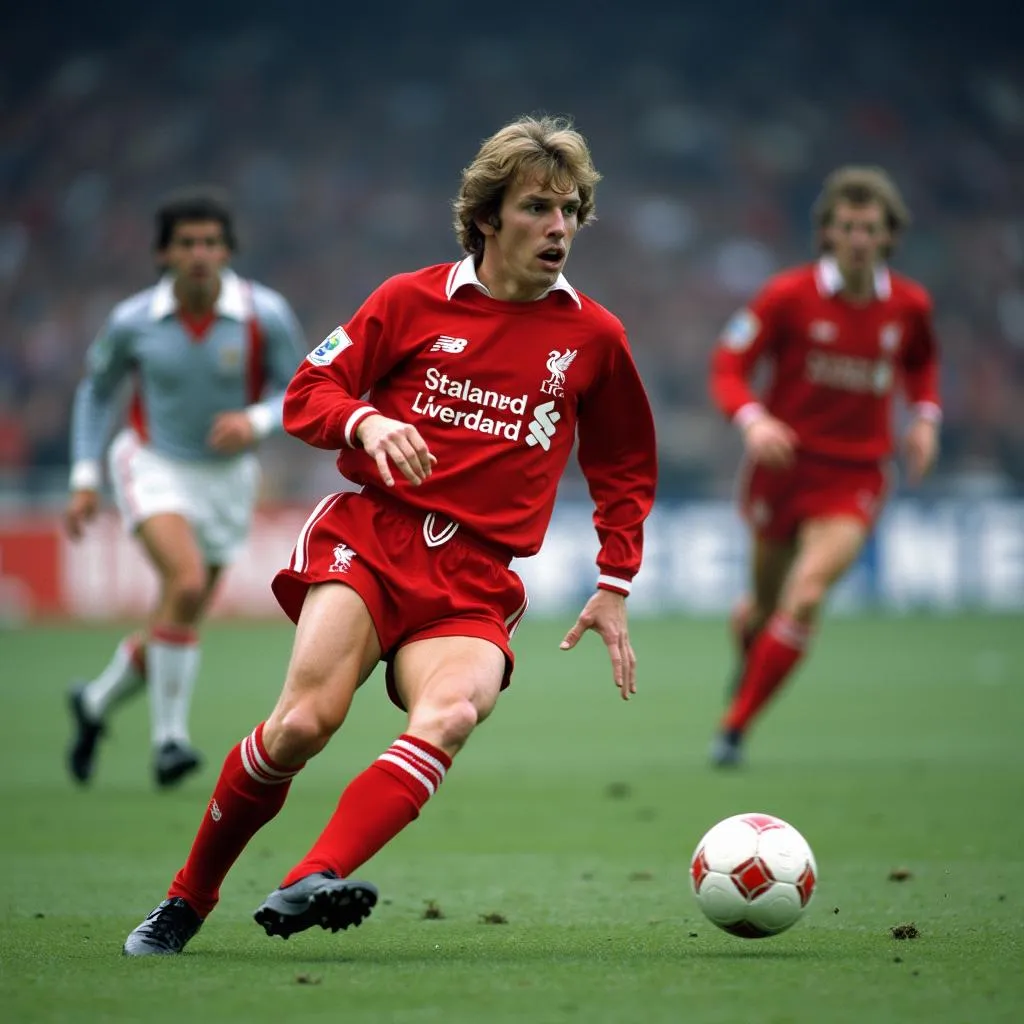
(480, 375)
(840, 336)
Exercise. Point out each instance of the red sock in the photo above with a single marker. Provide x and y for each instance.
(772, 657)
(375, 807)
(250, 791)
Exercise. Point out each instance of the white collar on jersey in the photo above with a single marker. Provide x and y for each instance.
(232, 301)
(830, 278)
(464, 273)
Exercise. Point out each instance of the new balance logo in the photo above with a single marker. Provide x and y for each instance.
(451, 345)
(542, 426)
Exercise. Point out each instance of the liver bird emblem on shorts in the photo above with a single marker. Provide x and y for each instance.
(343, 556)
(558, 363)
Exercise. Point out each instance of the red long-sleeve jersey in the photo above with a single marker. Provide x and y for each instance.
(498, 391)
(834, 364)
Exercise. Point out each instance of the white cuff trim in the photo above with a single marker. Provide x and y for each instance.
(85, 476)
(749, 413)
(354, 420)
(927, 411)
(614, 583)
(262, 419)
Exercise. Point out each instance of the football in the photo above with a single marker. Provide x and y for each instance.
(753, 875)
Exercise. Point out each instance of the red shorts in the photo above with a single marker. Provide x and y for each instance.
(419, 574)
(776, 502)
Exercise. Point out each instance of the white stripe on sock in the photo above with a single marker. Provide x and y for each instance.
(414, 772)
(261, 762)
(250, 757)
(248, 765)
(789, 632)
(421, 755)
(422, 766)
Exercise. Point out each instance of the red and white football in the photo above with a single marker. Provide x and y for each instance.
(753, 875)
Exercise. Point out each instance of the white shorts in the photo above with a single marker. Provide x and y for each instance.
(217, 498)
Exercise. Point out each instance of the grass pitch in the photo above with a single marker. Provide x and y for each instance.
(548, 880)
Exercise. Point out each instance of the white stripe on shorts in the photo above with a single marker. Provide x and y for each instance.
(301, 557)
(512, 622)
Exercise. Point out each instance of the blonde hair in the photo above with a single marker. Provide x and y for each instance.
(859, 186)
(548, 147)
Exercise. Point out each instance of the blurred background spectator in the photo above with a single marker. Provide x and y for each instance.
(341, 133)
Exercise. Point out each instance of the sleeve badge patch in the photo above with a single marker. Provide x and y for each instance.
(741, 330)
(330, 348)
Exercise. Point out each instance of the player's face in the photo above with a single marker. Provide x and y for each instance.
(858, 235)
(524, 256)
(197, 252)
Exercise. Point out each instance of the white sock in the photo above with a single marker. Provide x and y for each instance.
(119, 680)
(171, 668)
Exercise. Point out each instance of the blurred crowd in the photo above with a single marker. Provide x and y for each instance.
(342, 151)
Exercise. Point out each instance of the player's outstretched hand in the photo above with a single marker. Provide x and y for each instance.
(920, 447)
(392, 441)
(231, 432)
(605, 613)
(770, 442)
(82, 507)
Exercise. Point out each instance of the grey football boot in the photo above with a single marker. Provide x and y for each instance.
(727, 749)
(320, 899)
(165, 931)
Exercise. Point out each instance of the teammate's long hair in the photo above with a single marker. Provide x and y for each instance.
(859, 186)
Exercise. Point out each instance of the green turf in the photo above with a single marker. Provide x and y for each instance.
(571, 815)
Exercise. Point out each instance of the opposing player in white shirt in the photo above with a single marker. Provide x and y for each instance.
(207, 357)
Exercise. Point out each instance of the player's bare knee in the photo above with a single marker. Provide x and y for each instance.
(446, 724)
(806, 598)
(298, 733)
(757, 614)
(186, 596)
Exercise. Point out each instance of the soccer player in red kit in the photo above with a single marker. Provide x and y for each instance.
(479, 376)
(840, 336)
